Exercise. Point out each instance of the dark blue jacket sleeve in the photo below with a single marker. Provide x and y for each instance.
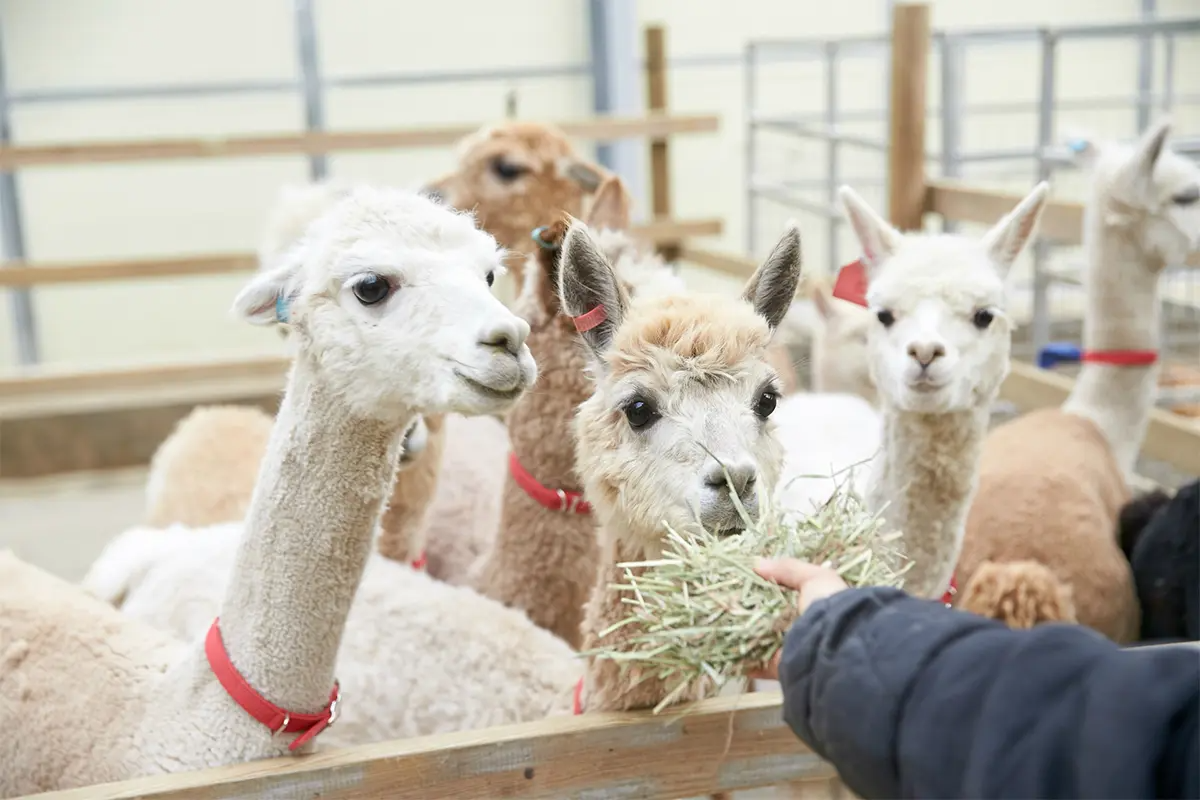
(907, 698)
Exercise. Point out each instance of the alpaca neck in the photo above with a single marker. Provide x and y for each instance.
(307, 537)
(926, 476)
(1122, 314)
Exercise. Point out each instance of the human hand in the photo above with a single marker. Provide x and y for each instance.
(813, 582)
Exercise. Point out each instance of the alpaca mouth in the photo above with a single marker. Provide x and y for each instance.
(491, 392)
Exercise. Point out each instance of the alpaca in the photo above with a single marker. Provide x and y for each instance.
(421, 656)
(938, 353)
(1053, 481)
(388, 298)
(544, 555)
(839, 347)
(1160, 535)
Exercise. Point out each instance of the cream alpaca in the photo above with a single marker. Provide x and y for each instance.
(543, 559)
(422, 656)
(376, 295)
(938, 353)
(1053, 481)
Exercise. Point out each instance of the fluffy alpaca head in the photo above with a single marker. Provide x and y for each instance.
(839, 346)
(510, 174)
(682, 388)
(388, 297)
(1152, 191)
(1021, 594)
(941, 339)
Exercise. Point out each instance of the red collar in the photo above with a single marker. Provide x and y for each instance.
(553, 499)
(419, 563)
(578, 705)
(259, 707)
(948, 597)
(1120, 358)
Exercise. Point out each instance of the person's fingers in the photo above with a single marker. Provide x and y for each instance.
(789, 572)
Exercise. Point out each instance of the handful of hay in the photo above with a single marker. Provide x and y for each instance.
(704, 615)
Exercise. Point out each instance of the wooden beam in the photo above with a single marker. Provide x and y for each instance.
(729, 263)
(1062, 221)
(656, 103)
(598, 129)
(1169, 437)
(22, 273)
(720, 745)
(906, 140)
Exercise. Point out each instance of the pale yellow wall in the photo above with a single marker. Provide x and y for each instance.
(180, 207)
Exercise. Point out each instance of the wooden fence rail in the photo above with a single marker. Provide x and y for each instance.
(653, 124)
(718, 745)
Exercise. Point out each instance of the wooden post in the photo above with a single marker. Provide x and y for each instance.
(906, 134)
(656, 102)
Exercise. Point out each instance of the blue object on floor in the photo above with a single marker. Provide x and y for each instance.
(1057, 353)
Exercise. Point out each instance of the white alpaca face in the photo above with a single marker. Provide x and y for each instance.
(683, 390)
(1160, 189)
(389, 294)
(941, 341)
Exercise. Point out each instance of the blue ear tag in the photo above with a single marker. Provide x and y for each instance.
(281, 308)
(542, 243)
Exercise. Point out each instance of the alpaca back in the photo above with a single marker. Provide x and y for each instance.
(1050, 491)
(74, 675)
(822, 435)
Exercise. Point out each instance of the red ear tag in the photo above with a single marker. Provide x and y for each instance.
(851, 284)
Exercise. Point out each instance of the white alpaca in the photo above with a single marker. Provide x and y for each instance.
(423, 656)
(938, 353)
(391, 316)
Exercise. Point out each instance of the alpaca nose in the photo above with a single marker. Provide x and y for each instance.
(742, 475)
(926, 353)
(508, 334)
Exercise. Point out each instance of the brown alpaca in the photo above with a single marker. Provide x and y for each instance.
(543, 560)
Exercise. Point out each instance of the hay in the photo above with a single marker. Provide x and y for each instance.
(705, 617)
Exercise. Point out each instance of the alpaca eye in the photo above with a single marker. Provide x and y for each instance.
(983, 318)
(371, 290)
(886, 317)
(1187, 197)
(766, 404)
(506, 170)
(491, 277)
(640, 414)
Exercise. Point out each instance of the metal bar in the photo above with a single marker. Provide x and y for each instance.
(12, 234)
(616, 83)
(750, 67)
(1041, 280)
(951, 77)
(779, 194)
(831, 152)
(822, 133)
(1168, 92)
(310, 81)
(1145, 68)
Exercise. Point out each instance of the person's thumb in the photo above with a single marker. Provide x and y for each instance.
(789, 572)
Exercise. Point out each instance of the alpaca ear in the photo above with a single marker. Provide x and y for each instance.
(876, 237)
(610, 206)
(588, 176)
(772, 287)
(1140, 170)
(1008, 237)
(542, 268)
(265, 299)
(589, 290)
(823, 300)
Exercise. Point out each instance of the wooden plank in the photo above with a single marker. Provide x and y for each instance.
(656, 103)
(1062, 221)
(720, 745)
(107, 152)
(729, 263)
(22, 273)
(1169, 437)
(906, 139)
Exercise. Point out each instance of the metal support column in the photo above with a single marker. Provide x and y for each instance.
(616, 82)
(1145, 87)
(12, 237)
(952, 75)
(749, 99)
(1041, 252)
(833, 173)
(310, 82)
